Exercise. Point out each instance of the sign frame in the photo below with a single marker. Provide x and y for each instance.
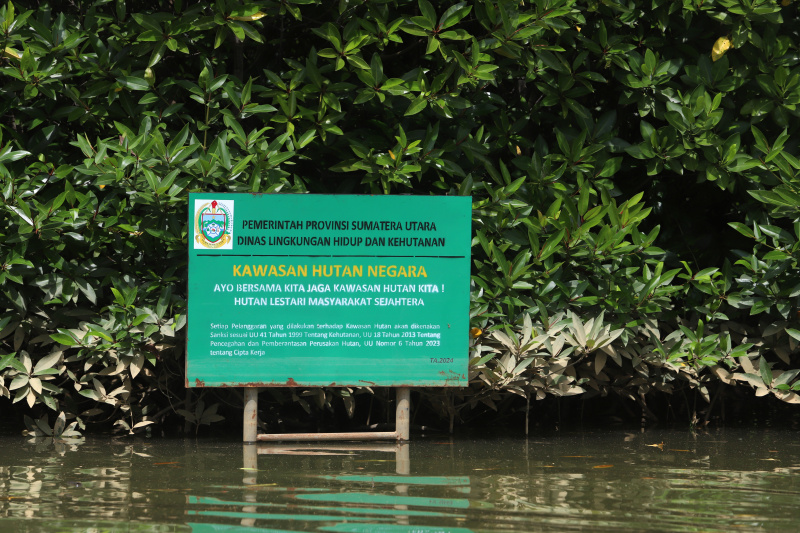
(322, 243)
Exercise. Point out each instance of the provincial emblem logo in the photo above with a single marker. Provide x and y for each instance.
(213, 224)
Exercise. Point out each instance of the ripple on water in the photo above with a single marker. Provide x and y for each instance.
(583, 482)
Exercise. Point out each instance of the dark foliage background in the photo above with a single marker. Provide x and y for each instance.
(633, 168)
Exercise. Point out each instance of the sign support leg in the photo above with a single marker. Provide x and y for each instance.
(403, 415)
(250, 430)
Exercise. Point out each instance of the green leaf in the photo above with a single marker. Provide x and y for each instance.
(427, 11)
(47, 362)
(139, 319)
(786, 377)
(306, 138)
(134, 83)
(500, 258)
(765, 371)
(65, 339)
(7, 155)
(5, 360)
(98, 332)
(417, 105)
(18, 382)
(90, 393)
(741, 228)
(454, 14)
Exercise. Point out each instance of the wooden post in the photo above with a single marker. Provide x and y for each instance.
(250, 429)
(403, 459)
(250, 477)
(403, 416)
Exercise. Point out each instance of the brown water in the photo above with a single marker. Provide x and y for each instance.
(728, 480)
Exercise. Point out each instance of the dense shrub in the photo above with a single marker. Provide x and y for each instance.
(636, 195)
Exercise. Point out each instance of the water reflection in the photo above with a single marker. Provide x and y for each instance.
(664, 481)
(377, 509)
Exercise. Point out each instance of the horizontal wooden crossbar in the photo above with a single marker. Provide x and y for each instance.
(401, 433)
(358, 435)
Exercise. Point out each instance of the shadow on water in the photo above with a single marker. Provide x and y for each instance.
(587, 481)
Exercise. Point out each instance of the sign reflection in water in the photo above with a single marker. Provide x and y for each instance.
(608, 481)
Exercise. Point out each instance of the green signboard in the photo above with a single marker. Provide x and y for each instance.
(313, 290)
